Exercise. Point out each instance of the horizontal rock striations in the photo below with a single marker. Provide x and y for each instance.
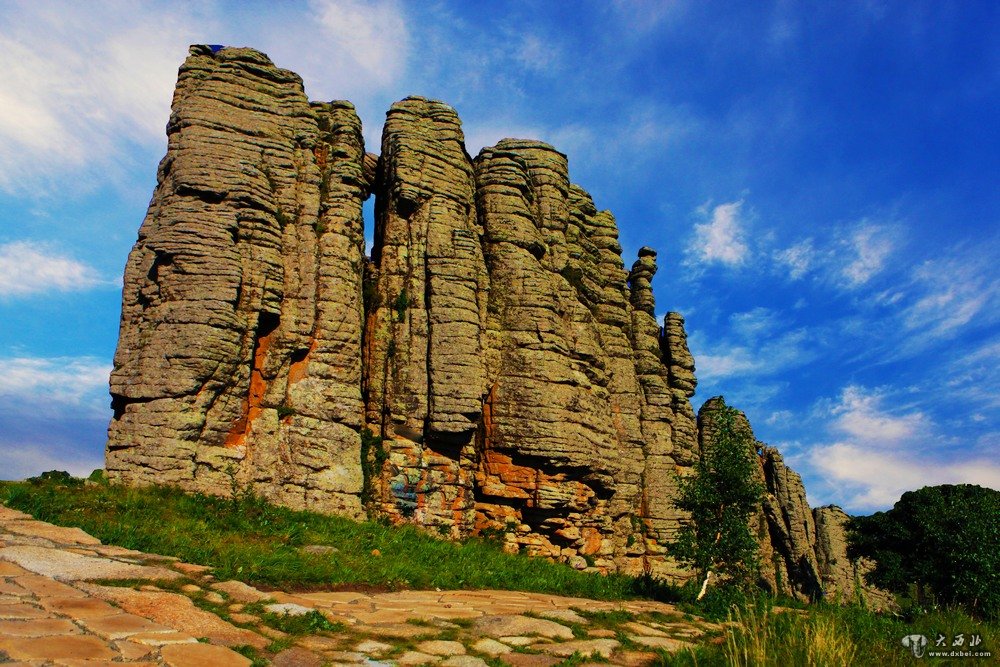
(239, 354)
(491, 368)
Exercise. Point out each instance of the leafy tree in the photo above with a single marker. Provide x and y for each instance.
(721, 496)
(945, 539)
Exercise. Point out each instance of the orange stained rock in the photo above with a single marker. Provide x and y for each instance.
(299, 368)
(252, 404)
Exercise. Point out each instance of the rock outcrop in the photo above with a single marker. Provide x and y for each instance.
(491, 368)
(239, 355)
(802, 551)
(843, 579)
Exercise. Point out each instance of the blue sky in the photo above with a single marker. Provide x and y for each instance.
(820, 180)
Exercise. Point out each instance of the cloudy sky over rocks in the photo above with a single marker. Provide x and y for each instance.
(820, 180)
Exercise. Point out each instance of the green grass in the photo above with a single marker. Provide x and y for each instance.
(253, 541)
(831, 635)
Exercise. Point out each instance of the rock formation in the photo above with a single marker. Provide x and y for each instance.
(803, 551)
(491, 368)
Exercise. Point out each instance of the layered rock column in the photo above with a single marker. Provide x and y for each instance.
(802, 551)
(425, 367)
(239, 352)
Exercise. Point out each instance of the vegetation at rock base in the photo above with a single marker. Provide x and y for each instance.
(246, 538)
(721, 496)
(944, 541)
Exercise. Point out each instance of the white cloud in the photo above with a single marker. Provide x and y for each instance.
(780, 417)
(479, 135)
(538, 53)
(733, 362)
(754, 324)
(80, 82)
(55, 414)
(881, 452)
(83, 84)
(870, 245)
(721, 239)
(28, 459)
(56, 381)
(951, 292)
(754, 346)
(859, 414)
(871, 479)
(29, 268)
(369, 39)
(642, 16)
(799, 258)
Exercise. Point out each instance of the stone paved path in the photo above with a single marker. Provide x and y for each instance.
(59, 605)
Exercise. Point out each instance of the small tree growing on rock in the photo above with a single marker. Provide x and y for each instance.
(721, 496)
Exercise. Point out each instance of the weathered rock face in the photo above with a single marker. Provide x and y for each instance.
(240, 345)
(803, 552)
(843, 580)
(492, 366)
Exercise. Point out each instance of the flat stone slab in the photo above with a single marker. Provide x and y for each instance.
(464, 661)
(564, 615)
(122, 626)
(240, 592)
(586, 647)
(491, 647)
(178, 612)
(51, 532)
(412, 658)
(56, 648)
(441, 647)
(289, 608)
(70, 566)
(666, 643)
(37, 627)
(70, 622)
(198, 655)
(502, 626)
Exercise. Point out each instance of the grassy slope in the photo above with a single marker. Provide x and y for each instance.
(259, 543)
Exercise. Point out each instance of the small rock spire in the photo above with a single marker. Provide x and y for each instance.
(640, 280)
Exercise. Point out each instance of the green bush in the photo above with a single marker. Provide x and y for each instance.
(942, 539)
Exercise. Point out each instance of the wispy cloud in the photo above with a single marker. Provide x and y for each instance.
(950, 293)
(879, 452)
(798, 258)
(81, 82)
(368, 38)
(76, 383)
(30, 458)
(53, 414)
(28, 268)
(84, 84)
(868, 247)
(756, 344)
(721, 239)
